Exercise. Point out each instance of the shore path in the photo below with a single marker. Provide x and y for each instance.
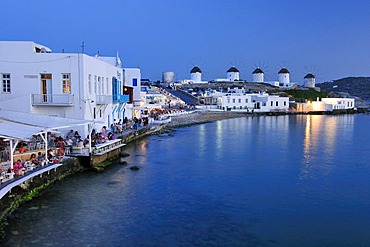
(200, 117)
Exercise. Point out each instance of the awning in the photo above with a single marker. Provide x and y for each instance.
(18, 131)
(20, 125)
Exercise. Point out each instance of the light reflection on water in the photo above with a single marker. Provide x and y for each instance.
(266, 181)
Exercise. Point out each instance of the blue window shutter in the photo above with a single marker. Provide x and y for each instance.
(134, 82)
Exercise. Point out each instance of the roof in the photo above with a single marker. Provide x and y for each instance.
(309, 76)
(195, 70)
(257, 71)
(233, 69)
(284, 71)
(21, 125)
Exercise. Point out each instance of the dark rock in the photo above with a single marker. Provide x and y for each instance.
(123, 154)
(122, 161)
(98, 169)
(134, 168)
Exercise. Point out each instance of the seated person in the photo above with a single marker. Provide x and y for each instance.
(50, 154)
(22, 149)
(60, 144)
(40, 157)
(68, 141)
(87, 142)
(70, 134)
(104, 131)
(33, 159)
(80, 144)
(111, 136)
(18, 168)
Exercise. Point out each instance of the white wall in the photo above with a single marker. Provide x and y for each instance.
(255, 102)
(232, 76)
(196, 77)
(258, 77)
(284, 78)
(25, 68)
(130, 74)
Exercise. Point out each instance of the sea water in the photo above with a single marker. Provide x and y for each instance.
(252, 181)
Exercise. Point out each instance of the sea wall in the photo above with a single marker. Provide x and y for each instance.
(32, 187)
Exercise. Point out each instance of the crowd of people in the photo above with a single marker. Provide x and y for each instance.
(59, 146)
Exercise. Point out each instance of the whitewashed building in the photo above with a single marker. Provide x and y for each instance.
(70, 85)
(238, 100)
(326, 104)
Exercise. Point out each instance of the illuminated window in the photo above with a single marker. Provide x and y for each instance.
(66, 81)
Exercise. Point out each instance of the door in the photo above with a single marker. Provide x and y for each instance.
(46, 90)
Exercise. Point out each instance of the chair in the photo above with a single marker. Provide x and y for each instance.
(40, 145)
(32, 146)
(28, 166)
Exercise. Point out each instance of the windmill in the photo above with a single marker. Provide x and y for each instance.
(311, 75)
(259, 71)
(199, 71)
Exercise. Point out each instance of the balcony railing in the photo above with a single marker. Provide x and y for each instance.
(120, 98)
(52, 99)
(103, 99)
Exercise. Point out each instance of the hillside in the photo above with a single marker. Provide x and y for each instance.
(355, 86)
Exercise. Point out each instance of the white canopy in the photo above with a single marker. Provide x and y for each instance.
(20, 125)
(13, 130)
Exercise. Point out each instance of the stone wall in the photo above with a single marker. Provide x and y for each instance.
(32, 187)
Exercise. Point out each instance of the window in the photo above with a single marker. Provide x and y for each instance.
(102, 86)
(95, 84)
(272, 103)
(284, 103)
(246, 100)
(277, 103)
(66, 83)
(228, 100)
(233, 100)
(134, 82)
(89, 81)
(107, 85)
(240, 101)
(6, 83)
(99, 85)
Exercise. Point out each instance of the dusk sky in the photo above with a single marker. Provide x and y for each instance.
(329, 38)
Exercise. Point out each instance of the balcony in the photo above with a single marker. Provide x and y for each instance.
(120, 98)
(103, 99)
(52, 99)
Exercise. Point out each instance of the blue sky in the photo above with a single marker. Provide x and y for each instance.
(329, 38)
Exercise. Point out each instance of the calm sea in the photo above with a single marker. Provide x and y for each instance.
(253, 181)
